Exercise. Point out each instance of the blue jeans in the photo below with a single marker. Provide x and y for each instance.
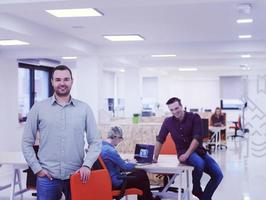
(52, 189)
(204, 163)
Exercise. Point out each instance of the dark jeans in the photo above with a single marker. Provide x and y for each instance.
(52, 189)
(204, 163)
(141, 181)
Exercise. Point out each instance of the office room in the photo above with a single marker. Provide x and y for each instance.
(127, 59)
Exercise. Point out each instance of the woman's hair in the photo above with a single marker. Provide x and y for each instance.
(115, 132)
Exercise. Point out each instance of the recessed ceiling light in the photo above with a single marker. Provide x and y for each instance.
(122, 70)
(79, 12)
(244, 21)
(187, 69)
(69, 57)
(123, 38)
(163, 55)
(245, 36)
(12, 42)
(245, 56)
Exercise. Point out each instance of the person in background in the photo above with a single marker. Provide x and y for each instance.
(116, 165)
(61, 122)
(186, 131)
(217, 118)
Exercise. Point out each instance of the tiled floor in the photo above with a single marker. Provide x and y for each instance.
(244, 174)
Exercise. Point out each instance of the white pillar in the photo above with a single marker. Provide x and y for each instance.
(132, 92)
(88, 82)
(9, 130)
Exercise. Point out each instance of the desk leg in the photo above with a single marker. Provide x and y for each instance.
(180, 186)
(16, 179)
(189, 188)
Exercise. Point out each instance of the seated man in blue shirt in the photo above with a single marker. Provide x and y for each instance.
(186, 131)
(115, 164)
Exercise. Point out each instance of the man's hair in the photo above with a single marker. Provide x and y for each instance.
(115, 132)
(61, 68)
(172, 100)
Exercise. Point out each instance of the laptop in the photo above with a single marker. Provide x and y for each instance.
(144, 153)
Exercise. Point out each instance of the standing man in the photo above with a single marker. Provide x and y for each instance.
(186, 131)
(61, 122)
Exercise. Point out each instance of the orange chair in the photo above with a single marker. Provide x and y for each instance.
(117, 193)
(98, 186)
(168, 146)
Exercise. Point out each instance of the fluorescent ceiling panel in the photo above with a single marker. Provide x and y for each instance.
(69, 57)
(79, 12)
(123, 38)
(12, 42)
(187, 69)
(245, 36)
(245, 56)
(244, 21)
(163, 55)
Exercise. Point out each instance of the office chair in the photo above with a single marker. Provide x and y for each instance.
(237, 126)
(116, 193)
(98, 186)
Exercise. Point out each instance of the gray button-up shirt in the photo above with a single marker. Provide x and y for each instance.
(61, 130)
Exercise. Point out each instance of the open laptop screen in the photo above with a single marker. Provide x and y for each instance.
(144, 153)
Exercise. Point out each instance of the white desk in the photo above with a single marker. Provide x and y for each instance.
(169, 164)
(217, 135)
(17, 162)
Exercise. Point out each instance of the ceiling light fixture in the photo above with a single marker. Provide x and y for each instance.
(163, 55)
(187, 69)
(245, 56)
(122, 70)
(12, 42)
(245, 36)
(79, 12)
(244, 21)
(123, 38)
(69, 57)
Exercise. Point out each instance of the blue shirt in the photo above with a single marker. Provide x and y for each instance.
(182, 132)
(114, 163)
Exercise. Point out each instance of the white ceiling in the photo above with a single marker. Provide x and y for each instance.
(202, 33)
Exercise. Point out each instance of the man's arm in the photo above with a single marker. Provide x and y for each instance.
(192, 147)
(28, 140)
(157, 150)
(94, 146)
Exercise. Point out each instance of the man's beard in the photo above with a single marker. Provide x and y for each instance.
(62, 94)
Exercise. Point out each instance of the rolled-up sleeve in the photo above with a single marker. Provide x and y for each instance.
(93, 139)
(197, 131)
(28, 140)
(163, 133)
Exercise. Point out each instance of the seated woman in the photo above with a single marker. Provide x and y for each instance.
(217, 118)
(115, 164)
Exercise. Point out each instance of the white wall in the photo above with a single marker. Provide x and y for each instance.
(88, 83)
(10, 130)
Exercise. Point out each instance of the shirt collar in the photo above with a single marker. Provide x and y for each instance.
(72, 101)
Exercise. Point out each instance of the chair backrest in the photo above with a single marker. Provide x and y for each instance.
(168, 146)
(239, 125)
(99, 186)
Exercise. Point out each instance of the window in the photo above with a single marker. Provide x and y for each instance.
(33, 85)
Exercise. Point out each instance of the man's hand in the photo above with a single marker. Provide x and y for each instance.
(44, 173)
(84, 173)
(183, 158)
